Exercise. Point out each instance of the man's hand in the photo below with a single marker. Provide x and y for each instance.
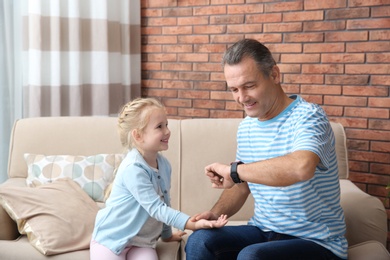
(219, 175)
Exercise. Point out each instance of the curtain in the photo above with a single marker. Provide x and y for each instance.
(81, 57)
(10, 76)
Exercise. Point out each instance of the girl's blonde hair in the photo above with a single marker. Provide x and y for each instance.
(133, 116)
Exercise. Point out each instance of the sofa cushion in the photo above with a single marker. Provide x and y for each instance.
(93, 173)
(57, 217)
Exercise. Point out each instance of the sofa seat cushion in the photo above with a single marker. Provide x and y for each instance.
(57, 217)
(368, 250)
(93, 173)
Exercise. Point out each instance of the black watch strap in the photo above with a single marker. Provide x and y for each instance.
(234, 173)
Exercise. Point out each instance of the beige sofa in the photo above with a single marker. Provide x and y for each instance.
(194, 143)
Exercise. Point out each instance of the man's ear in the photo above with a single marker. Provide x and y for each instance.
(275, 74)
(136, 135)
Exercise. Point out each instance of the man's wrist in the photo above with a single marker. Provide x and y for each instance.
(234, 173)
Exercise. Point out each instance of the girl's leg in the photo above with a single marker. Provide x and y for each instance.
(100, 252)
(141, 253)
(222, 243)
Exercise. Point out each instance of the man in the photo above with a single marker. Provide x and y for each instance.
(286, 158)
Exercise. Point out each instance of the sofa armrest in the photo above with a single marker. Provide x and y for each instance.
(8, 227)
(365, 215)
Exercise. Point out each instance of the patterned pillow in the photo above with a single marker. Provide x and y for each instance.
(93, 173)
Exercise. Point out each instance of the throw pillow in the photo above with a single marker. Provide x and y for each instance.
(58, 217)
(93, 173)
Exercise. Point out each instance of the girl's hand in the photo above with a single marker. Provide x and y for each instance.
(175, 236)
(204, 223)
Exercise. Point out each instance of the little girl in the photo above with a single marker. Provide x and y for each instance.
(137, 211)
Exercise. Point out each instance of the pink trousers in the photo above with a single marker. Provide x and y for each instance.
(100, 252)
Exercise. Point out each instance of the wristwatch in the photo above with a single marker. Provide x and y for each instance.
(234, 173)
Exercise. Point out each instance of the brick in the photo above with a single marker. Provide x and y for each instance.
(210, 10)
(323, 47)
(322, 68)
(263, 18)
(367, 46)
(346, 36)
(304, 37)
(283, 6)
(220, 2)
(151, 83)
(150, 48)
(267, 37)
(341, 100)
(209, 29)
(210, 48)
(367, 112)
(164, 75)
(342, 58)
(324, 26)
(227, 19)
(194, 20)
(161, 3)
(315, 4)
(316, 99)
(378, 57)
(348, 13)
(369, 156)
(380, 168)
(366, 91)
(221, 95)
(357, 3)
(177, 48)
(346, 79)
(283, 27)
(303, 79)
(244, 28)
(379, 35)
(177, 102)
(170, 12)
(290, 88)
(217, 76)
(285, 48)
(333, 110)
(225, 114)
(192, 2)
(177, 66)
(211, 104)
(193, 112)
(358, 166)
(380, 11)
(365, 134)
(192, 39)
(161, 57)
(194, 76)
(245, 9)
(207, 67)
(177, 84)
(194, 94)
(151, 66)
(160, 39)
(160, 21)
(379, 124)
(367, 69)
(321, 89)
(147, 92)
(210, 85)
(289, 68)
(300, 58)
(151, 30)
(151, 12)
(192, 57)
(372, 23)
(369, 178)
(353, 122)
(361, 145)
(379, 102)
(380, 147)
(177, 30)
(380, 80)
(225, 38)
(303, 16)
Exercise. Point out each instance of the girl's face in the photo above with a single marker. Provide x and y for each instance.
(156, 133)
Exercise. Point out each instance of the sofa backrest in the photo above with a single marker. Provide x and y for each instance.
(194, 144)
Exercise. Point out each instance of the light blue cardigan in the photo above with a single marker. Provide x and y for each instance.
(137, 195)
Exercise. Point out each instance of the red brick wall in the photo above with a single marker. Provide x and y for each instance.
(335, 53)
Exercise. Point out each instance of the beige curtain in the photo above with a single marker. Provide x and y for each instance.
(81, 57)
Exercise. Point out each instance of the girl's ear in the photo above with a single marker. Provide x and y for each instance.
(136, 135)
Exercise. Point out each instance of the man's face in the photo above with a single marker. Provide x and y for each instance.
(256, 92)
